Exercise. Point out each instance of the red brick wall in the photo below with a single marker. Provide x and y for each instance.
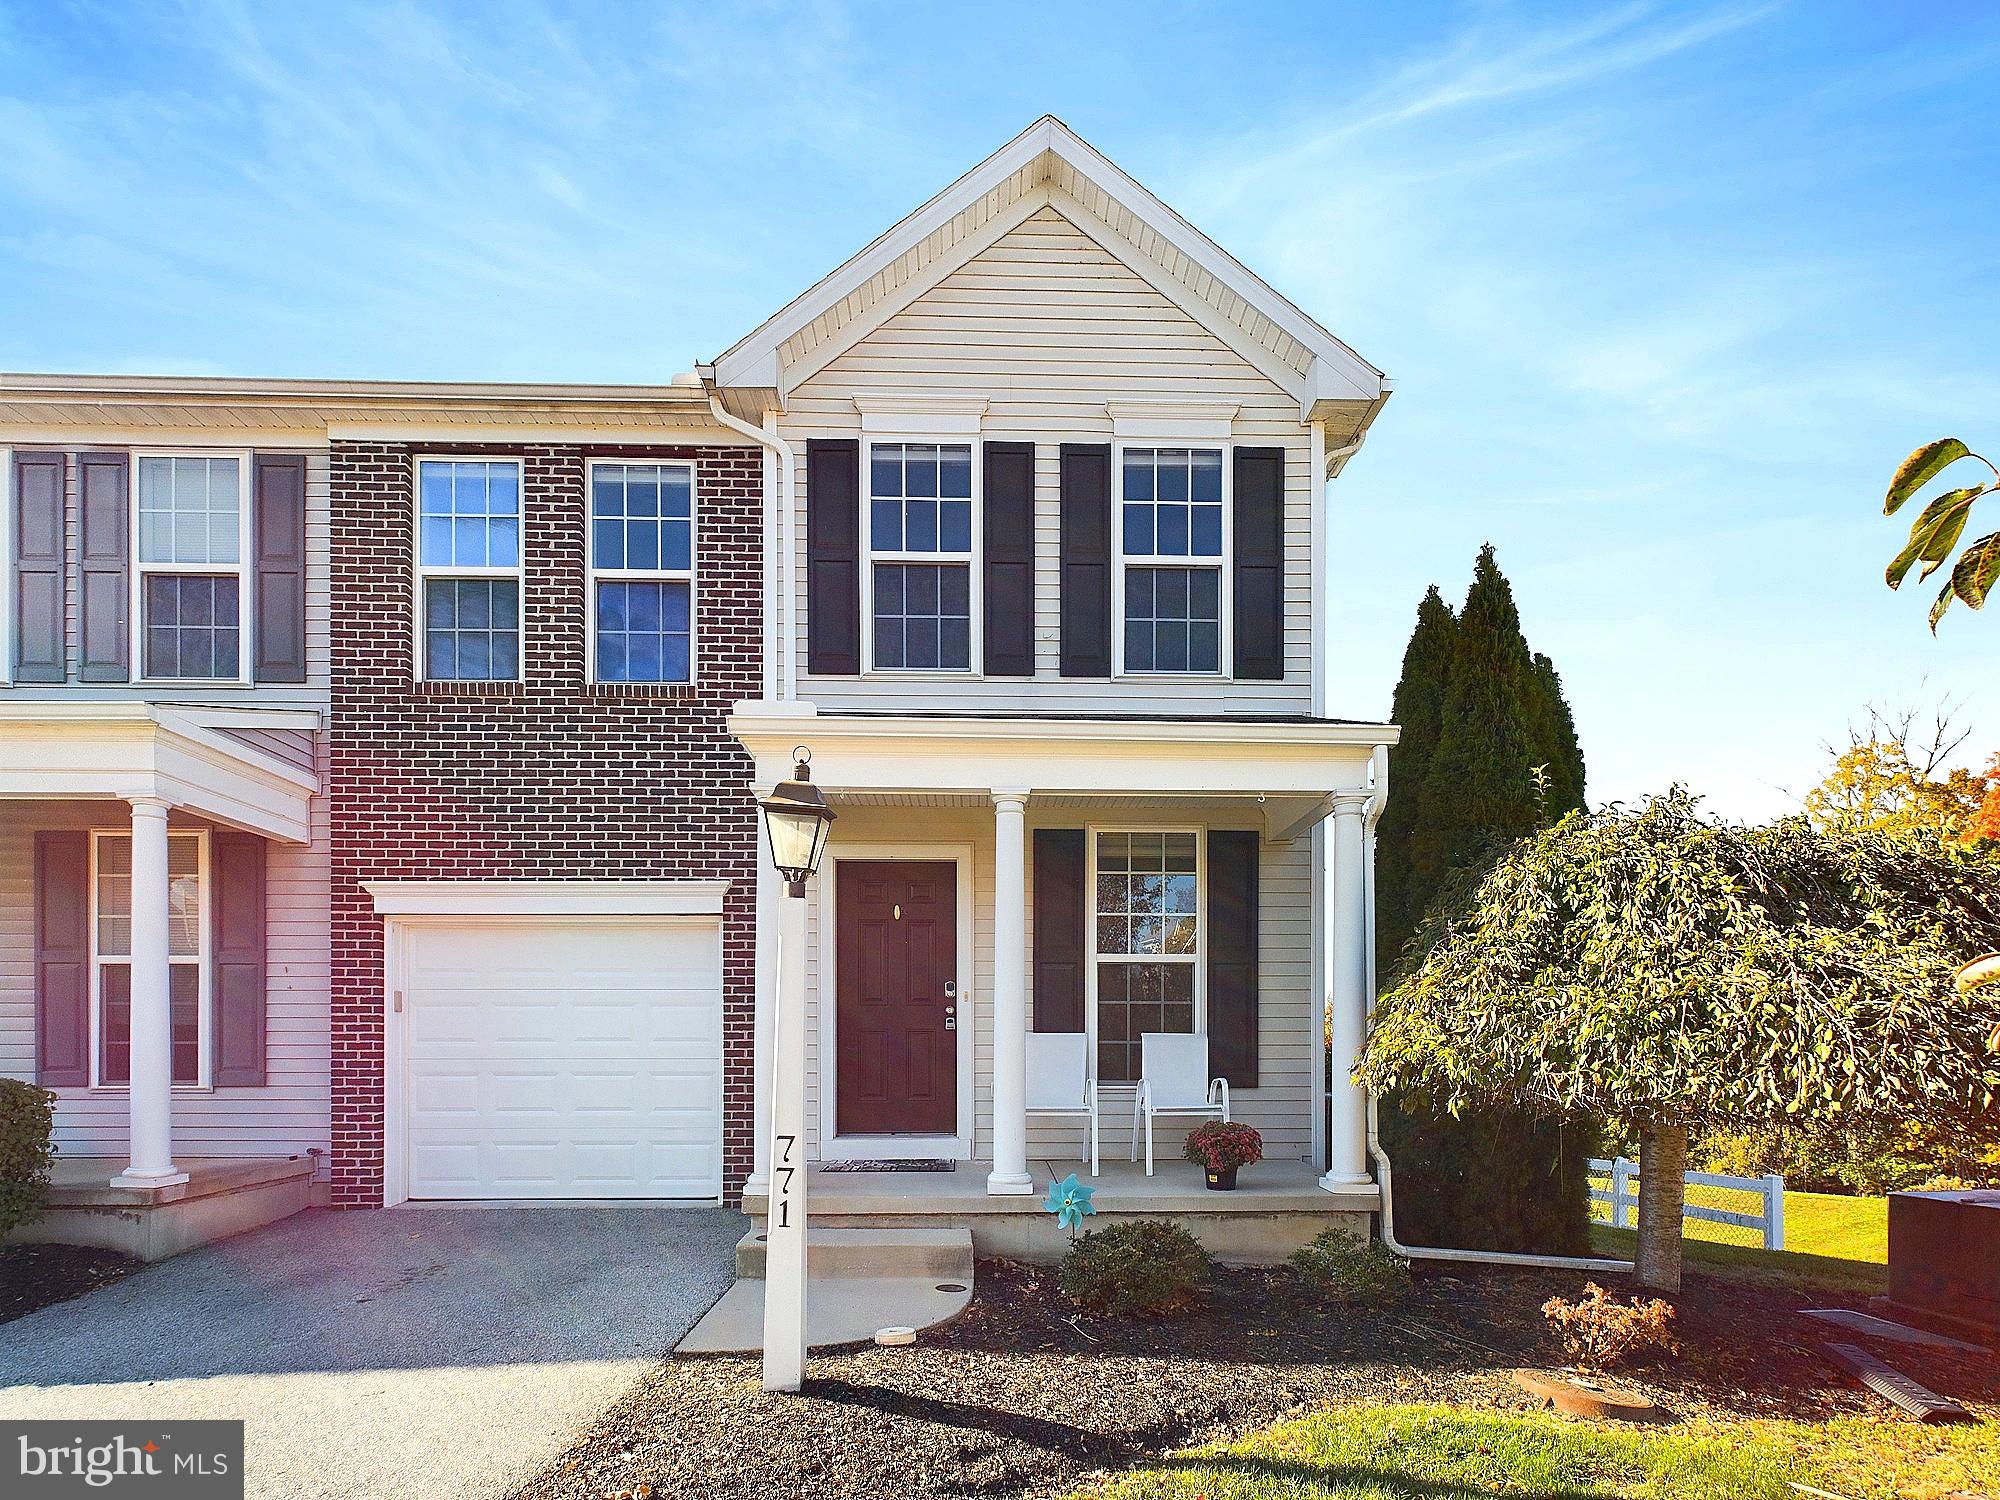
(549, 778)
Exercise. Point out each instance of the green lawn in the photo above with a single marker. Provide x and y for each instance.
(1440, 1453)
(1833, 1242)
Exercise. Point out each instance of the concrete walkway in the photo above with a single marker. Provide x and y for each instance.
(399, 1352)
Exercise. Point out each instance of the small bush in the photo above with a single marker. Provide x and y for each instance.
(1140, 1268)
(1336, 1267)
(1598, 1331)
(27, 1119)
(1218, 1145)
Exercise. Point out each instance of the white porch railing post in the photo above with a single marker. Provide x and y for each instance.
(1347, 1132)
(150, 1097)
(1774, 1211)
(1010, 994)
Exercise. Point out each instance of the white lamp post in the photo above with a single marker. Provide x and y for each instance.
(796, 820)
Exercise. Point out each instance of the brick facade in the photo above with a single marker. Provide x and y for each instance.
(548, 778)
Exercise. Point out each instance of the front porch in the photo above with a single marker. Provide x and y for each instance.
(1276, 1207)
(90, 1204)
(1008, 905)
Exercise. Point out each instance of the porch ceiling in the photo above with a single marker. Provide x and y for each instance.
(131, 749)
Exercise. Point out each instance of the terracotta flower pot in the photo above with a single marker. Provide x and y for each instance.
(1223, 1181)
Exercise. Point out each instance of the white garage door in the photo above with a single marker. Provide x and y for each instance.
(564, 1058)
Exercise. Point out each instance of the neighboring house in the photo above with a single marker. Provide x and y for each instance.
(455, 697)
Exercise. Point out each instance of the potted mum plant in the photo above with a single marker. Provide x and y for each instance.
(1219, 1147)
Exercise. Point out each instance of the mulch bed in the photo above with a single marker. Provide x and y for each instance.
(1024, 1395)
(34, 1276)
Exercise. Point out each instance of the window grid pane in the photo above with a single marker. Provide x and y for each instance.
(642, 517)
(1173, 619)
(920, 498)
(923, 615)
(644, 631)
(469, 514)
(192, 626)
(1172, 502)
(190, 510)
(1147, 903)
(114, 1023)
(472, 629)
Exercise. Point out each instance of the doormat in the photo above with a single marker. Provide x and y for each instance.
(889, 1166)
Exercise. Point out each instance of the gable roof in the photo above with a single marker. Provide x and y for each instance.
(1048, 164)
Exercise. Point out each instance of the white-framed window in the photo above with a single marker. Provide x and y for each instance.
(1172, 579)
(922, 586)
(1148, 910)
(468, 549)
(642, 571)
(9, 523)
(191, 592)
(188, 928)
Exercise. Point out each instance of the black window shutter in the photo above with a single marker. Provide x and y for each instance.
(1062, 908)
(1086, 560)
(62, 960)
(1260, 564)
(239, 960)
(833, 556)
(1232, 955)
(39, 591)
(105, 501)
(278, 522)
(1010, 559)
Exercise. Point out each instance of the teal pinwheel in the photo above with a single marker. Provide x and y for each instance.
(1069, 1201)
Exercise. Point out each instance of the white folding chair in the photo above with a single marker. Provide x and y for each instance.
(1173, 1080)
(1061, 1081)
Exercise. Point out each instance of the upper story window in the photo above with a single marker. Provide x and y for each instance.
(642, 572)
(920, 528)
(111, 957)
(1172, 541)
(469, 569)
(193, 603)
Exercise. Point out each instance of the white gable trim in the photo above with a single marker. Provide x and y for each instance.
(1336, 373)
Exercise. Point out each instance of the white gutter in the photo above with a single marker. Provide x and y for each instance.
(1384, 1173)
(786, 601)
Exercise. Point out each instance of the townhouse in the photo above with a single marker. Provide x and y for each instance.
(396, 745)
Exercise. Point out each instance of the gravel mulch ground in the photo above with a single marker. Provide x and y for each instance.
(33, 1276)
(1023, 1395)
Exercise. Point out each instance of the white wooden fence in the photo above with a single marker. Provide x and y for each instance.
(1623, 1198)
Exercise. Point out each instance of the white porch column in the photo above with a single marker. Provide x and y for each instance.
(1347, 1132)
(1010, 993)
(150, 1097)
(769, 893)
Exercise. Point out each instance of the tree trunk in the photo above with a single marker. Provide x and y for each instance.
(1662, 1192)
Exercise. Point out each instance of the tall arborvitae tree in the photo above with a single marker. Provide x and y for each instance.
(1495, 758)
(1419, 709)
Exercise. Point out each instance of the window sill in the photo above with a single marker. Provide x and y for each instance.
(667, 692)
(429, 688)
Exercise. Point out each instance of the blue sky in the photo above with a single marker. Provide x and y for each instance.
(1666, 291)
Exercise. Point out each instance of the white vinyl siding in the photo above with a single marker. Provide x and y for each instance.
(1048, 327)
(292, 1112)
(1279, 1106)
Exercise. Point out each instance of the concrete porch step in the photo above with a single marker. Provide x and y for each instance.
(923, 1254)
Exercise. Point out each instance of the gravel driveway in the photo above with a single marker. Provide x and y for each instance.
(400, 1352)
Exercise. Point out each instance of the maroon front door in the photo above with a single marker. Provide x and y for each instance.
(896, 1036)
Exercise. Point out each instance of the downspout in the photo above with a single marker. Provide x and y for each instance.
(1384, 1173)
(778, 679)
